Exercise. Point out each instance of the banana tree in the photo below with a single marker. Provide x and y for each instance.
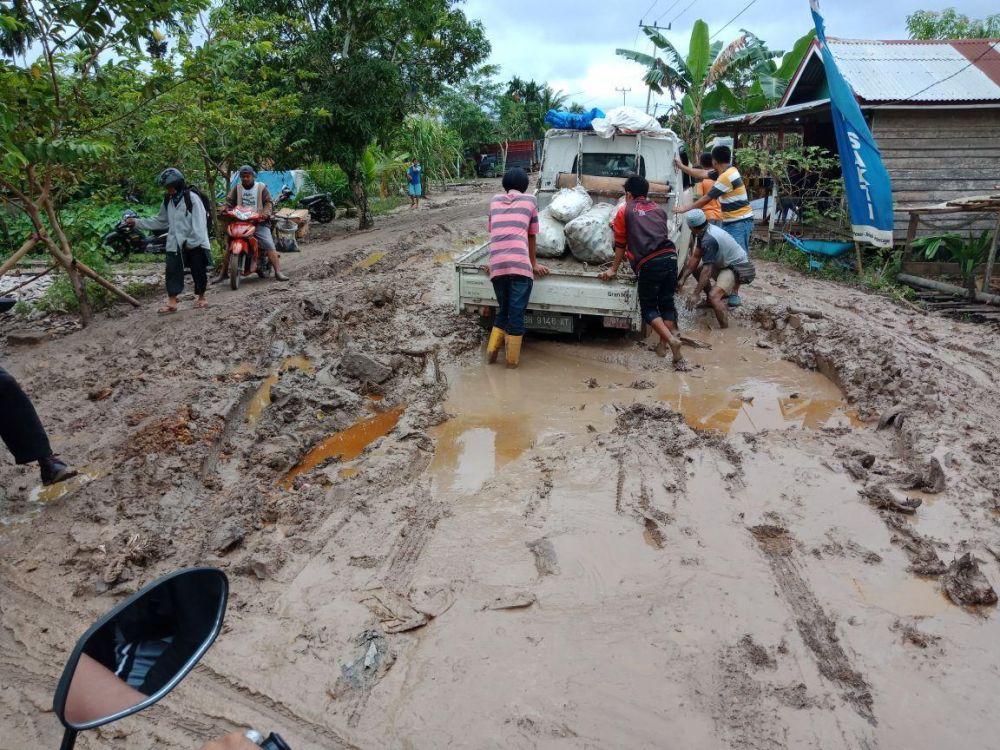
(705, 75)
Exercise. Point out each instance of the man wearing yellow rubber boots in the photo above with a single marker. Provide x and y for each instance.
(513, 227)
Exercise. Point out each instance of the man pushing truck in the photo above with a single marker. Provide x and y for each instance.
(640, 228)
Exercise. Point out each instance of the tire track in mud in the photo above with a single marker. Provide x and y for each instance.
(817, 628)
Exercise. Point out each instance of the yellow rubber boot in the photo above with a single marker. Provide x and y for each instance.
(493, 348)
(513, 351)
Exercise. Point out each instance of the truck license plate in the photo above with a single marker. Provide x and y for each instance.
(542, 322)
(611, 321)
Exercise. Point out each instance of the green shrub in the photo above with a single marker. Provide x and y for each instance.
(329, 178)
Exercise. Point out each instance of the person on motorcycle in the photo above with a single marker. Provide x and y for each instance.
(255, 195)
(188, 245)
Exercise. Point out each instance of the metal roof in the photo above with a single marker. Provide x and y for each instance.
(752, 118)
(949, 70)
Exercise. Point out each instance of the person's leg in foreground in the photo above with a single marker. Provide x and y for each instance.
(23, 434)
(719, 295)
(741, 231)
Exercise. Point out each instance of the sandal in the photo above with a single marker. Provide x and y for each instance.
(167, 310)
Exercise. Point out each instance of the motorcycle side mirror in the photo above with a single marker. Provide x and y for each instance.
(140, 650)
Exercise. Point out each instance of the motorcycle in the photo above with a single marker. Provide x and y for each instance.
(125, 240)
(245, 254)
(139, 651)
(320, 206)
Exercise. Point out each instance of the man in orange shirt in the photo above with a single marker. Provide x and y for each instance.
(712, 209)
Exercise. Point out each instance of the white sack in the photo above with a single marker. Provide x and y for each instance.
(551, 240)
(626, 119)
(589, 236)
(569, 203)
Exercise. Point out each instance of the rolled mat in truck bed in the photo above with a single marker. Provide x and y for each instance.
(604, 185)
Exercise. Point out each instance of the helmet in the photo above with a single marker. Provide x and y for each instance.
(247, 169)
(696, 218)
(170, 177)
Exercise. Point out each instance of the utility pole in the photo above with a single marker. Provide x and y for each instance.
(623, 92)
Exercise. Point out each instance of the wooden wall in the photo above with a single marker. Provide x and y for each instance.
(936, 155)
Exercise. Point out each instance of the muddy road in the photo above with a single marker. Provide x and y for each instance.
(591, 551)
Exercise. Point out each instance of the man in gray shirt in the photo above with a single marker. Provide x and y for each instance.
(183, 216)
(718, 262)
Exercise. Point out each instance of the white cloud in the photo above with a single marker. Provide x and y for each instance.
(571, 44)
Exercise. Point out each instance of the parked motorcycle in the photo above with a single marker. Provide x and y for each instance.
(320, 205)
(140, 650)
(125, 240)
(245, 254)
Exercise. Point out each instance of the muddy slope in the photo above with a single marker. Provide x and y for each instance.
(557, 555)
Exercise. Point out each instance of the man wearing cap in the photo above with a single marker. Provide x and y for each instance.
(250, 193)
(719, 264)
(183, 217)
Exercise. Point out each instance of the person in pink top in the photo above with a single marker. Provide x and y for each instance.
(513, 225)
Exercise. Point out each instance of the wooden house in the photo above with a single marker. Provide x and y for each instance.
(933, 107)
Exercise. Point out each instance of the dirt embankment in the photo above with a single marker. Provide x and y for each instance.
(426, 552)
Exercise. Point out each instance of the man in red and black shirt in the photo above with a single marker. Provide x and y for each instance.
(640, 228)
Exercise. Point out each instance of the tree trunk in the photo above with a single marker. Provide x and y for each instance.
(356, 181)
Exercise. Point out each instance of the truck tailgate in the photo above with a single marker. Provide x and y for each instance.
(571, 287)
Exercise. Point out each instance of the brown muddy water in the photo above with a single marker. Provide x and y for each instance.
(559, 388)
(654, 611)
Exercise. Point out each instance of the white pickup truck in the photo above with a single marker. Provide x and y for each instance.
(572, 295)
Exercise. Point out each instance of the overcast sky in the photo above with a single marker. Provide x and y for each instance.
(571, 43)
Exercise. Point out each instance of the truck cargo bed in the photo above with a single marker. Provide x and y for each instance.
(571, 289)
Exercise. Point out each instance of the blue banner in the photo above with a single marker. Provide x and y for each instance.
(866, 181)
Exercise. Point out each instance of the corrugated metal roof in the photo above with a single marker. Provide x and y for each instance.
(753, 117)
(919, 71)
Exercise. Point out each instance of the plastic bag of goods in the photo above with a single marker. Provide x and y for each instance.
(569, 203)
(589, 236)
(551, 240)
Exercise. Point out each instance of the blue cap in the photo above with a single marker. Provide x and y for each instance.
(696, 218)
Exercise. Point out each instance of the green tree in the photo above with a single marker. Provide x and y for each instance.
(950, 24)
(363, 66)
(46, 100)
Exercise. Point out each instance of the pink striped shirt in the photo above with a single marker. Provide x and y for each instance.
(513, 216)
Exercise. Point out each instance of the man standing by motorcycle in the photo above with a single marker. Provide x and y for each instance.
(184, 218)
(253, 195)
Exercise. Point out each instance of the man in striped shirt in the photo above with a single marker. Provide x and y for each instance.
(513, 226)
(737, 215)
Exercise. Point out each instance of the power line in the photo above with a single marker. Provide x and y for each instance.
(669, 8)
(686, 9)
(622, 91)
(734, 18)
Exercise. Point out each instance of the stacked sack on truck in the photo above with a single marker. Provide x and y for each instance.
(572, 219)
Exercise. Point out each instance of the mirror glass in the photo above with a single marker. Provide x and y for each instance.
(141, 650)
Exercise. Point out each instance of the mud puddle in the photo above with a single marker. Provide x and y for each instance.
(262, 398)
(346, 445)
(564, 389)
(43, 494)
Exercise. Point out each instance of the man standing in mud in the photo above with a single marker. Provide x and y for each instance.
(513, 227)
(23, 434)
(640, 228)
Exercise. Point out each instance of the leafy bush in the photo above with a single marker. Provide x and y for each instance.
(329, 178)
